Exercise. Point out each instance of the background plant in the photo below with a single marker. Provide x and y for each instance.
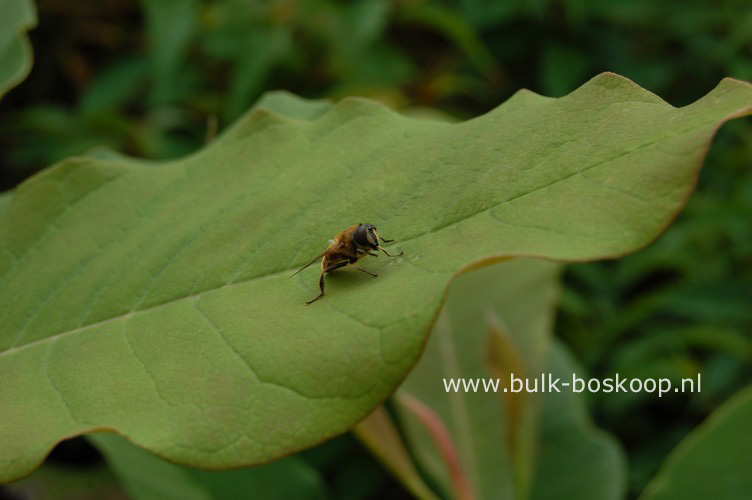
(672, 309)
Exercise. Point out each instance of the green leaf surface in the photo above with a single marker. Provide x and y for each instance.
(16, 56)
(155, 301)
(147, 477)
(714, 461)
(290, 105)
(5, 199)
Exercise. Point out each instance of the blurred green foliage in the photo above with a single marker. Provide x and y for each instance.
(15, 49)
(145, 78)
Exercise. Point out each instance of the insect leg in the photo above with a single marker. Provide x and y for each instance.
(321, 287)
(373, 254)
(335, 266)
(367, 272)
(385, 241)
(388, 254)
(321, 281)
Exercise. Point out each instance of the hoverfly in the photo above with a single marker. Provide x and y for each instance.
(348, 247)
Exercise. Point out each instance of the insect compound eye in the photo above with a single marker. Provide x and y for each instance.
(373, 240)
(361, 236)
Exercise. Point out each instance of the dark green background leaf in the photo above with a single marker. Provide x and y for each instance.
(714, 461)
(498, 322)
(146, 477)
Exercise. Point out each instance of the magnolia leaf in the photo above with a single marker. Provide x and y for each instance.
(292, 106)
(570, 444)
(444, 445)
(5, 199)
(521, 296)
(154, 301)
(517, 444)
(380, 435)
(15, 50)
(714, 461)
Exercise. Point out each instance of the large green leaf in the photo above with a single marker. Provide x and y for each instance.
(497, 323)
(17, 17)
(5, 199)
(154, 301)
(715, 461)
